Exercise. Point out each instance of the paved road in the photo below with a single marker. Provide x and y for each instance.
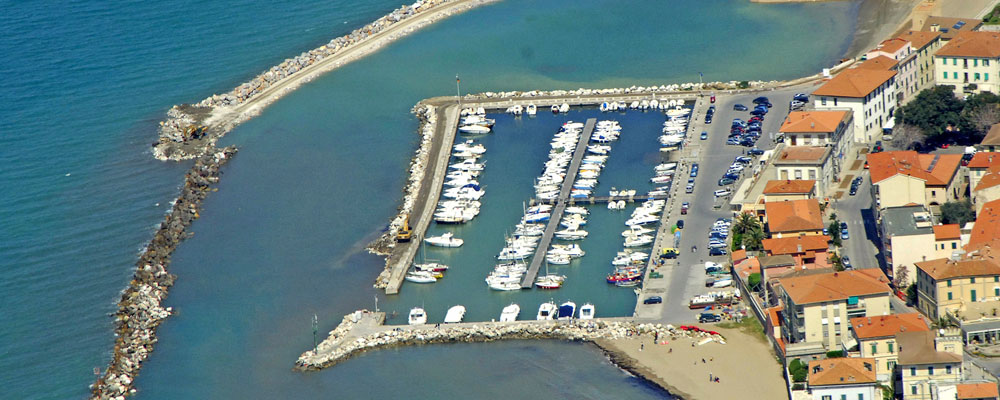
(714, 157)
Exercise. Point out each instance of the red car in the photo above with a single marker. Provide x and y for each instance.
(754, 119)
(684, 208)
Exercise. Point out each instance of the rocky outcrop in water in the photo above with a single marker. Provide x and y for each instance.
(339, 346)
(140, 309)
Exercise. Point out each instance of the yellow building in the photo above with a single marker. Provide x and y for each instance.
(818, 307)
(793, 217)
(928, 361)
(925, 44)
(901, 178)
(946, 286)
(875, 337)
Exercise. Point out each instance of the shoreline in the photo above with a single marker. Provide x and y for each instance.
(140, 310)
(210, 119)
(879, 20)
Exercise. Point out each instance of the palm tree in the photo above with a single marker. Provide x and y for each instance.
(754, 239)
(746, 222)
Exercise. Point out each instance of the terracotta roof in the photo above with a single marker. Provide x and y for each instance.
(985, 159)
(883, 63)
(943, 268)
(987, 226)
(919, 39)
(984, 390)
(993, 136)
(778, 261)
(842, 371)
(854, 82)
(794, 215)
(739, 255)
(892, 45)
(887, 164)
(789, 186)
(813, 121)
(834, 286)
(972, 44)
(796, 244)
(772, 314)
(803, 154)
(946, 232)
(948, 23)
(990, 179)
(888, 325)
(918, 348)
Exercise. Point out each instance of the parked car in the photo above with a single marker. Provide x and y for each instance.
(843, 226)
(758, 112)
(726, 181)
(801, 97)
(711, 109)
(653, 300)
(731, 176)
(853, 191)
(694, 170)
(680, 224)
(708, 118)
(689, 188)
(722, 192)
(704, 135)
(796, 105)
(755, 152)
(684, 208)
(844, 235)
(709, 317)
(740, 107)
(761, 100)
(669, 253)
(755, 119)
(743, 159)
(846, 261)
(717, 252)
(826, 231)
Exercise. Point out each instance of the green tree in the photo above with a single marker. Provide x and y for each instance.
(911, 294)
(957, 212)
(754, 240)
(753, 281)
(838, 263)
(936, 111)
(834, 230)
(798, 370)
(746, 222)
(835, 354)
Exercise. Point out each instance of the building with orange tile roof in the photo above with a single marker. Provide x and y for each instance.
(815, 163)
(924, 44)
(794, 217)
(986, 229)
(928, 361)
(909, 235)
(977, 391)
(898, 55)
(807, 251)
(949, 27)
(982, 161)
(952, 286)
(986, 189)
(903, 177)
(875, 337)
(789, 189)
(970, 62)
(869, 94)
(817, 128)
(818, 306)
(843, 378)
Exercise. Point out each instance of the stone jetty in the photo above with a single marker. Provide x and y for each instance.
(193, 129)
(140, 309)
(358, 333)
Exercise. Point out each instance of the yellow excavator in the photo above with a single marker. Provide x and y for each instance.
(405, 232)
(194, 132)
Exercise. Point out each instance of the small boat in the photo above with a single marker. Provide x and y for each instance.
(587, 311)
(510, 313)
(571, 234)
(430, 267)
(421, 277)
(605, 107)
(638, 241)
(504, 285)
(547, 311)
(558, 259)
(531, 109)
(447, 239)
(564, 108)
(621, 105)
(555, 109)
(550, 281)
(417, 316)
(475, 129)
(455, 315)
(566, 310)
(661, 179)
(577, 210)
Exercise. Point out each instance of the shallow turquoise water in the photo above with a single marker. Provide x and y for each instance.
(319, 174)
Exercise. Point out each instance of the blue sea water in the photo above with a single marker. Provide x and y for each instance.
(319, 174)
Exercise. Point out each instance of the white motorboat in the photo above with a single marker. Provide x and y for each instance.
(468, 192)
(638, 241)
(477, 120)
(587, 311)
(621, 105)
(513, 254)
(550, 281)
(642, 220)
(577, 210)
(564, 108)
(665, 167)
(531, 109)
(558, 259)
(475, 129)
(510, 313)
(467, 165)
(536, 217)
(555, 108)
(417, 316)
(661, 179)
(634, 105)
(613, 205)
(573, 220)
(598, 149)
(572, 250)
(547, 311)
(505, 286)
(447, 239)
(571, 234)
(455, 315)
(529, 230)
(471, 147)
(636, 230)
(430, 267)
(567, 310)
(516, 109)
(604, 107)
(421, 277)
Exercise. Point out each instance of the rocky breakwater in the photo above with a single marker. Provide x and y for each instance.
(342, 344)
(675, 88)
(193, 129)
(140, 309)
(427, 115)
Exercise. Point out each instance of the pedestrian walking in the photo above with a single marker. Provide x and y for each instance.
(710, 378)
(641, 346)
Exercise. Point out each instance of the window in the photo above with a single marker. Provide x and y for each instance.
(996, 291)
(930, 370)
(827, 397)
(913, 372)
(913, 389)
(945, 74)
(986, 76)
(996, 278)
(822, 100)
(843, 397)
(975, 76)
(891, 365)
(812, 174)
(986, 63)
(975, 63)
(972, 280)
(954, 245)
(890, 346)
(861, 396)
(949, 283)
(954, 61)
(973, 294)
(874, 348)
(933, 193)
(834, 101)
(954, 75)
(949, 296)
(947, 369)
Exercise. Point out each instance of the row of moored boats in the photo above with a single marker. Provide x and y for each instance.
(644, 104)
(546, 312)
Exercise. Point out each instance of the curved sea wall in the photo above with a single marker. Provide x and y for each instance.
(193, 129)
(140, 311)
(339, 346)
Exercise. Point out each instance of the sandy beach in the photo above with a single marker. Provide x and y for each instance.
(745, 364)
(881, 19)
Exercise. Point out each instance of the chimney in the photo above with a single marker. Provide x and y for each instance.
(935, 28)
(869, 320)
(812, 125)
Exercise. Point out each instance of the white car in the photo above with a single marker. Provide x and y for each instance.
(722, 192)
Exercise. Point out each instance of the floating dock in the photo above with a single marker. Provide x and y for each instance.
(603, 199)
(560, 205)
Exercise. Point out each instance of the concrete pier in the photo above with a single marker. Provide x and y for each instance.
(560, 207)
